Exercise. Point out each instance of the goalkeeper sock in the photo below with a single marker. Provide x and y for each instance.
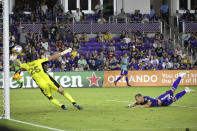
(56, 102)
(69, 97)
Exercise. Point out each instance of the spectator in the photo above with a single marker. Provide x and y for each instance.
(164, 11)
(98, 8)
(122, 16)
(74, 53)
(137, 15)
(133, 65)
(127, 39)
(45, 44)
(101, 20)
(69, 36)
(122, 36)
(114, 63)
(145, 19)
(82, 64)
(23, 35)
(108, 37)
(72, 63)
(159, 51)
(84, 38)
(99, 37)
(152, 11)
(53, 31)
(76, 43)
(167, 64)
(77, 15)
(155, 61)
(124, 45)
(111, 48)
(44, 7)
(45, 31)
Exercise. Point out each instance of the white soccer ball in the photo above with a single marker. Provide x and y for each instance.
(18, 49)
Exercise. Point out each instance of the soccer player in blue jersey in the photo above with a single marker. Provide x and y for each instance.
(124, 71)
(165, 99)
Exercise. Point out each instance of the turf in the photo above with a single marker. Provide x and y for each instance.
(31, 105)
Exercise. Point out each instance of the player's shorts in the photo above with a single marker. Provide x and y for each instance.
(166, 98)
(46, 86)
(124, 72)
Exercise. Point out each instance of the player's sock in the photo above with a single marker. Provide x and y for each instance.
(56, 102)
(176, 83)
(179, 95)
(20, 83)
(69, 97)
(127, 81)
(118, 78)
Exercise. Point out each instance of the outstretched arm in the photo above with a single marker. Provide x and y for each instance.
(144, 106)
(130, 105)
(139, 106)
(58, 54)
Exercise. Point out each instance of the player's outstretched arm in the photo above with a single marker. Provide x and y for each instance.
(130, 105)
(144, 106)
(58, 54)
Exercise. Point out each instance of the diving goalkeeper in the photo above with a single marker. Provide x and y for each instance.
(45, 82)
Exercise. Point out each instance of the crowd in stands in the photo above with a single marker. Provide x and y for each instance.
(188, 16)
(103, 52)
(41, 13)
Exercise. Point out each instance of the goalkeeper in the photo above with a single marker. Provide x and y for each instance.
(45, 82)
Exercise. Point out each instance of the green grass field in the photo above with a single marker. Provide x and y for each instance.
(100, 114)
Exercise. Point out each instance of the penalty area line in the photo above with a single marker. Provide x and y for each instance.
(116, 101)
(36, 125)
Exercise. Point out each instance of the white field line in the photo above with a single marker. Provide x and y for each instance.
(36, 125)
(117, 101)
(194, 107)
(184, 127)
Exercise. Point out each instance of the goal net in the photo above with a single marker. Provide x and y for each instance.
(4, 61)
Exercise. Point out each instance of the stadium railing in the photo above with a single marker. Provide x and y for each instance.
(96, 27)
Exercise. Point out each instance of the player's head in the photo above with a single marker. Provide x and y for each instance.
(30, 57)
(139, 98)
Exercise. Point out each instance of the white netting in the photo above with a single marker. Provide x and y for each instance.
(1, 63)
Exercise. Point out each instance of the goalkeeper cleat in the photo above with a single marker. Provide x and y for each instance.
(64, 107)
(78, 106)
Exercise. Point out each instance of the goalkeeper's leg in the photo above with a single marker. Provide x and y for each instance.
(69, 97)
(47, 92)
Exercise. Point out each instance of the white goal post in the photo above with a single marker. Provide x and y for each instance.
(6, 70)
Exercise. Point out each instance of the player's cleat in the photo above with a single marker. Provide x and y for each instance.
(115, 83)
(129, 85)
(182, 74)
(188, 90)
(64, 107)
(78, 106)
(21, 85)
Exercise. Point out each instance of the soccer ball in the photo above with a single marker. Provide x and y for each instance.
(18, 49)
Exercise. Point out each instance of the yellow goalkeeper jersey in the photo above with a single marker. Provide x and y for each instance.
(36, 70)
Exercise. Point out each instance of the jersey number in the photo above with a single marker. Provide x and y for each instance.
(34, 70)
